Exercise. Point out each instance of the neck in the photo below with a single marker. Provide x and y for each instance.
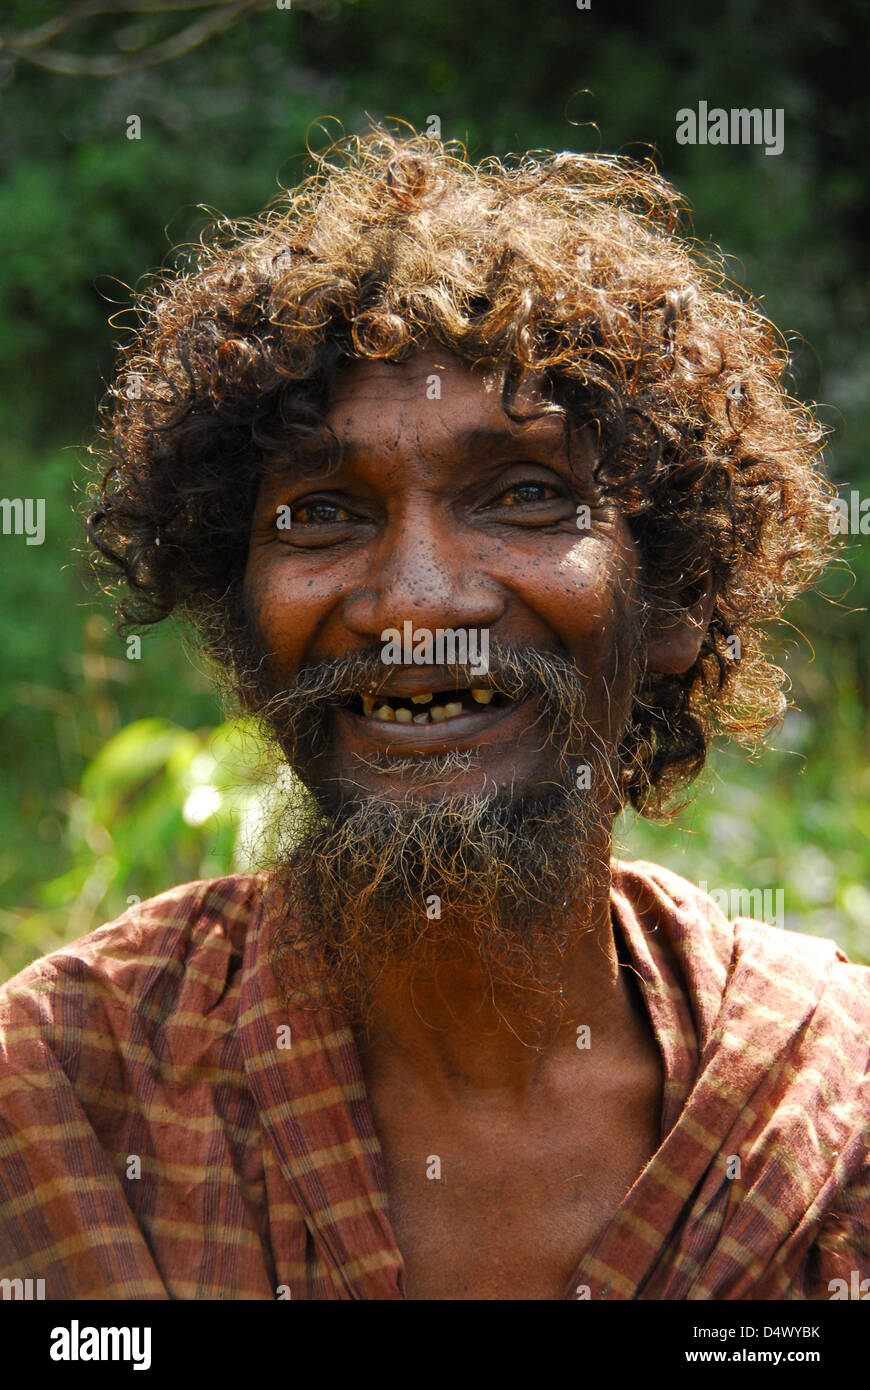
(467, 944)
(463, 1038)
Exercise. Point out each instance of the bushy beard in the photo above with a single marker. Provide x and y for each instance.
(501, 880)
(492, 880)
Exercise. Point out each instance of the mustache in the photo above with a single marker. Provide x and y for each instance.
(300, 712)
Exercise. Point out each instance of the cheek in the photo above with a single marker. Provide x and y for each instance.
(288, 613)
(278, 624)
(585, 594)
(587, 599)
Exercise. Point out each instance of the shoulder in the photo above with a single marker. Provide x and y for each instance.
(701, 923)
(142, 957)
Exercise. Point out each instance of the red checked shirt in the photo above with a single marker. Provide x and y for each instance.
(159, 1138)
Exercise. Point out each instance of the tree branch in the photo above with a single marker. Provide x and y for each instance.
(30, 47)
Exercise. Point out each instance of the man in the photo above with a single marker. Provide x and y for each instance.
(479, 485)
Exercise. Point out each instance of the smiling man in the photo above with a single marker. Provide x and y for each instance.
(443, 1046)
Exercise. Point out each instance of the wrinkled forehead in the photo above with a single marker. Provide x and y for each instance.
(414, 374)
(436, 397)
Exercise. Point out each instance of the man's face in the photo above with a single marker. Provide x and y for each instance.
(444, 515)
(475, 829)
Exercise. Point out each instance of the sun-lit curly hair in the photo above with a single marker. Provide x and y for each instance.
(574, 267)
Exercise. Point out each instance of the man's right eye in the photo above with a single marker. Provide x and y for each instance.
(322, 513)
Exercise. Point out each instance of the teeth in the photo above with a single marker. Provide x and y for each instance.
(435, 714)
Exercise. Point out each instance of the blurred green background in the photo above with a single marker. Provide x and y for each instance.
(119, 777)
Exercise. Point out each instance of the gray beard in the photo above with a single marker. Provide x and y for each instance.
(499, 880)
(496, 881)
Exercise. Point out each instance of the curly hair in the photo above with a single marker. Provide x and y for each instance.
(573, 267)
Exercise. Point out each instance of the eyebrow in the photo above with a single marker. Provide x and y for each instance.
(467, 441)
(481, 437)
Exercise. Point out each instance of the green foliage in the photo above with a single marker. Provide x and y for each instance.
(159, 805)
(795, 822)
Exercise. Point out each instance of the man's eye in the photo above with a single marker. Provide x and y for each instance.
(319, 513)
(529, 492)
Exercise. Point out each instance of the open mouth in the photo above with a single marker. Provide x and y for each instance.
(428, 707)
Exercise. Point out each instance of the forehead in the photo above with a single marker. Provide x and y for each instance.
(407, 380)
(435, 395)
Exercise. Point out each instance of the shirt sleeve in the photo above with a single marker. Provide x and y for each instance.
(840, 1263)
(64, 1219)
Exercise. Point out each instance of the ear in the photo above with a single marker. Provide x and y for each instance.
(674, 640)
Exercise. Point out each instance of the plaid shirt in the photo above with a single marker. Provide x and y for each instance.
(159, 1138)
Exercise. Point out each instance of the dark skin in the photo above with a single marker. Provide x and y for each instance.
(429, 522)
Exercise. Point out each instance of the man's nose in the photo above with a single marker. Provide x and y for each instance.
(425, 568)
